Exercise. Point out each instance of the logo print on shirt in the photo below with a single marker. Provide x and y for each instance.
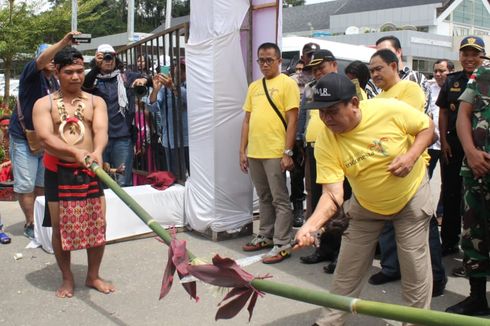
(377, 146)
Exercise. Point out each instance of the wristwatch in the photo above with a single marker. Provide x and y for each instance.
(288, 152)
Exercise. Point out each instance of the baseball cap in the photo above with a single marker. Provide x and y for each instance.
(105, 48)
(330, 90)
(319, 56)
(310, 47)
(474, 42)
(41, 48)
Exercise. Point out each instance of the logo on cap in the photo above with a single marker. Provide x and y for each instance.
(322, 92)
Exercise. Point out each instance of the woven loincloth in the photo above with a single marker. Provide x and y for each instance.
(81, 218)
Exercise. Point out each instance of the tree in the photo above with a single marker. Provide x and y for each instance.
(293, 3)
(19, 33)
(23, 30)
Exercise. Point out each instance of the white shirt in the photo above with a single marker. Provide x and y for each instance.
(433, 110)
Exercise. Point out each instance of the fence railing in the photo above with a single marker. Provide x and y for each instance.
(160, 131)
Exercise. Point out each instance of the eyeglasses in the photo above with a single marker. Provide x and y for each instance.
(269, 61)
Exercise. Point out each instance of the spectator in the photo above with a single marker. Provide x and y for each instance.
(37, 80)
(358, 70)
(393, 43)
(297, 174)
(377, 153)
(310, 125)
(442, 68)
(384, 73)
(470, 50)
(107, 80)
(266, 149)
(166, 99)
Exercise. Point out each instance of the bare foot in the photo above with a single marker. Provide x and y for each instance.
(66, 289)
(100, 285)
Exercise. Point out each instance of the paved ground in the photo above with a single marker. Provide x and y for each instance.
(27, 286)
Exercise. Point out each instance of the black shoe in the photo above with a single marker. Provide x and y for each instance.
(471, 306)
(314, 258)
(298, 214)
(459, 271)
(330, 268)
(447, 251)
(438, 288)
(298, 221)
(380, 278)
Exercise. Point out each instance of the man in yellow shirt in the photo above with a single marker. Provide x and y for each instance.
(369, 143)
(267, 139)
(384, 71)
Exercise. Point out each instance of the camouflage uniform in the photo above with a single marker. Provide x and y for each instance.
(476, 218)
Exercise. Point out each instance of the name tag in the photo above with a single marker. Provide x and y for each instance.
(452, 89)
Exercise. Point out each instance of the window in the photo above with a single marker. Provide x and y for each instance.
(472, 13)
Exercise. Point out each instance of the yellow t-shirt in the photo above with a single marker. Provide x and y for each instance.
(266, 134)
(315, 125)
(364, 154)
(408, 92)
(411, 93)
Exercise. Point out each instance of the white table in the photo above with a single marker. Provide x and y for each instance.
(166, 207)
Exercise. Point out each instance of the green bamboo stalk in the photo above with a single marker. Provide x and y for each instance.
(366, 307)
(134, 206)
(320, 298)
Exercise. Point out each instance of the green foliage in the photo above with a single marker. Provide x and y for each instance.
(293, 3)
(112, 15)
(23, 30)
(19, 31)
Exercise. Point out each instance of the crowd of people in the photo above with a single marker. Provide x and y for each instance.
(367, 139)
(370, 139)
(65, 120)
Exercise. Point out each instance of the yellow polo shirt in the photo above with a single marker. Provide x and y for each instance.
(364, 154)
(266, 134)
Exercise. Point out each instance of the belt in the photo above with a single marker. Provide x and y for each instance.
(311, 144)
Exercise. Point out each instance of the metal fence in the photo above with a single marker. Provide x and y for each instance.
(159, 136)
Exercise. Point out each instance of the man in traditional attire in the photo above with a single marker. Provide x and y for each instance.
(72, 125)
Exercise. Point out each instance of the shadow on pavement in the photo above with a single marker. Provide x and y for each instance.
(49, 278)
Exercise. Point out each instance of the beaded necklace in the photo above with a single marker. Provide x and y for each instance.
(75, 123)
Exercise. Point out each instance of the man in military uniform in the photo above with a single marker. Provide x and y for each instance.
(470, 50)
(473, 126)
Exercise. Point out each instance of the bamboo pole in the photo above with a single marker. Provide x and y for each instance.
(320, 298)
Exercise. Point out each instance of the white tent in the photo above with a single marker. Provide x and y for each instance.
(218, 194)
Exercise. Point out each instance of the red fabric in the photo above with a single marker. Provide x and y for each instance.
(82, 224)
(50, 162)
(6, 173)
(161, 180)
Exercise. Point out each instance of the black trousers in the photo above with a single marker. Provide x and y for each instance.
(452, 194)
(297, 175)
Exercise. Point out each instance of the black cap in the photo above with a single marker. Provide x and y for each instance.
(319, 57)
(330, 90)
(310, 47)
(474, 42)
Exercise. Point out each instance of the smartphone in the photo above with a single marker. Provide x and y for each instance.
(82, 38)
(165, 70)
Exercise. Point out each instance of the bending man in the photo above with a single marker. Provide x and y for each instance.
(389, 182)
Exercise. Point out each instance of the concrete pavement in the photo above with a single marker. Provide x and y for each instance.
(136, 267)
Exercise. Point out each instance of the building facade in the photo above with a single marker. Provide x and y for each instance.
(428, 29)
